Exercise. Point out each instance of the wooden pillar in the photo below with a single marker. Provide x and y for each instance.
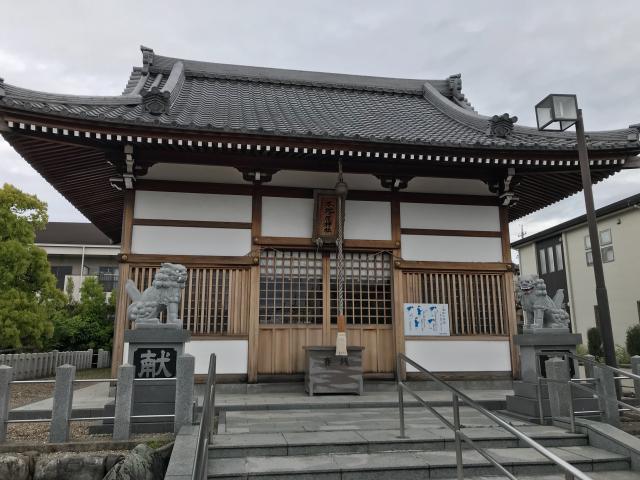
(510, 299)
(254, 295)
(124, 269)
(398, 291)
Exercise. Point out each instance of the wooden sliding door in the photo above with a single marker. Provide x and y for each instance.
(298, 307)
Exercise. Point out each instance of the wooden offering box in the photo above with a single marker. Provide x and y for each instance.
(327, 373)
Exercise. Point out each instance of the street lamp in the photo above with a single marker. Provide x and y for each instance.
(557, 112)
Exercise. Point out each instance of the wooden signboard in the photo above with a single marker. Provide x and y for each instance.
(325, 216)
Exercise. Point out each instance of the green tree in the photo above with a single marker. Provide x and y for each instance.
(28, 295)
(89, 323)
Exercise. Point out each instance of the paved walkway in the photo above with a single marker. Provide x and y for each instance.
(91, 398)
(97, 395)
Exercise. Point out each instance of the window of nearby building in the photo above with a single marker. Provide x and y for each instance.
(559, 259)
(542, 257)
(552, 263)
(60, 272)
(108, 278)
(606, 247)
(550, 258)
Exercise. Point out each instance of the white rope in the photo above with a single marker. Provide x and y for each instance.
(340, 258)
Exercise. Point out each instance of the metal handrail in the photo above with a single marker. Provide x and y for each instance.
(581, 358)
(207, 419)
(582, 384)
(570, 471)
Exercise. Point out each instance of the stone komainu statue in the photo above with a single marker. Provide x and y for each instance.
(541, 312)
(163, 292)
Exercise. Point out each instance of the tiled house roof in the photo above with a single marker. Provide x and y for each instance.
(184, 94)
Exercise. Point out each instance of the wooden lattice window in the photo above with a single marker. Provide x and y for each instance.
(476, 300)
(368, 291)
(290, 287)
(214, 300)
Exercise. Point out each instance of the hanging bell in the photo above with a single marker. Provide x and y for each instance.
(341, 188)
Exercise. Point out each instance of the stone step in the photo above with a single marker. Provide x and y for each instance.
(606, 475)
(370, 441)
(411, 464)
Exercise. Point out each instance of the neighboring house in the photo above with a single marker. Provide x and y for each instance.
(77, 251)
(562, 256)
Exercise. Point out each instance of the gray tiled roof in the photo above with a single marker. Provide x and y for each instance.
(230, 98)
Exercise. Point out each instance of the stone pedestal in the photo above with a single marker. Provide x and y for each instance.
(524, 402)
(153, 352)
(326, 372)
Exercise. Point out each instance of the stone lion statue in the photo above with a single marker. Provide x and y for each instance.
(163, 292)
(541, 311)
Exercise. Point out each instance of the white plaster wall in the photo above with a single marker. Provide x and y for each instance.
(287, 217)
(190, 241)
(460, 355)
(367, 220)
(449, 217)
(231, 355)
(440, 248)
(527, 258)
(192, 206)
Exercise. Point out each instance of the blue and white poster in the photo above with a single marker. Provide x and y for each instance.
(426, 319)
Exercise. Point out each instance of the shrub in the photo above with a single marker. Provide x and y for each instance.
(581, 349)
(622, 357)
(633, 340)
(594, 342)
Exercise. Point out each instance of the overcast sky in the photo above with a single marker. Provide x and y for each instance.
(510, 53)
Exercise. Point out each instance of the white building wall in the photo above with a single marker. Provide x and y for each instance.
(528, 263)
(192, 206)
(163, 240)
(441, 248)
(460, 355)
(287, 217)
(621, 275)
(231, 355)
(449, 217)
(367, 220)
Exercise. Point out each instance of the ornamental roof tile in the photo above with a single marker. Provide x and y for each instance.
(176, 93)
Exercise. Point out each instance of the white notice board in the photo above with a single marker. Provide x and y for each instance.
(426, 319)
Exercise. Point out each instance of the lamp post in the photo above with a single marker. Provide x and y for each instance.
(557, 112)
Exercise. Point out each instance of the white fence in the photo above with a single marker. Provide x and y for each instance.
(38, 365)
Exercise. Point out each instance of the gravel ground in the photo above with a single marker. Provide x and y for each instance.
(25, 393)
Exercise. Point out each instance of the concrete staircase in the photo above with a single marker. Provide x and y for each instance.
(357, 443)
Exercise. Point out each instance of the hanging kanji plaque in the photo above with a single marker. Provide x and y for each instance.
(325, 217)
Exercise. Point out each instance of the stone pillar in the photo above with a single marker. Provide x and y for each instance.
(607, 394)
(635, 369)
(185, 370)
(62, 401)
(124, 402)
(6, 375)
(559, 395)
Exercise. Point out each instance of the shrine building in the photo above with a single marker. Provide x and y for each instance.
(228, 169)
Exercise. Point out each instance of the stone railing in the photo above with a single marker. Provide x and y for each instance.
(39, 365)
(61, 412)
